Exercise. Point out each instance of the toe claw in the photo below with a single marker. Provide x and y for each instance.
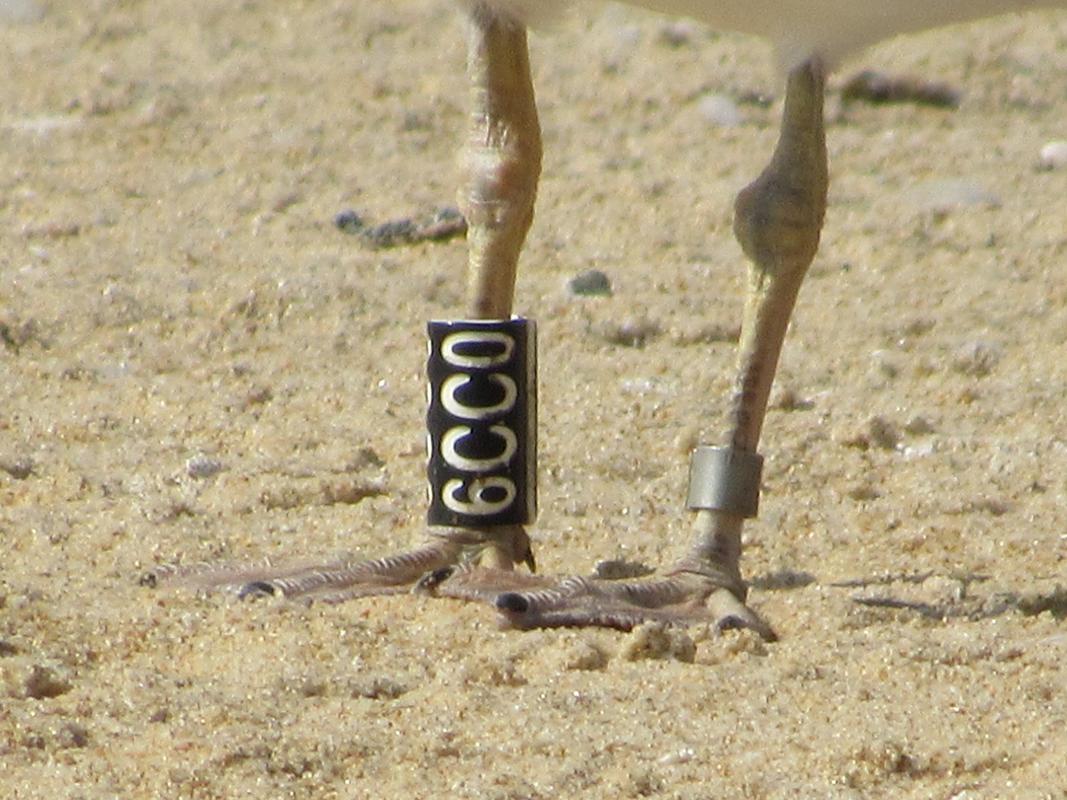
(256, 589)
(511, 603)
(731, 614)
(429, 582)
(730, 622)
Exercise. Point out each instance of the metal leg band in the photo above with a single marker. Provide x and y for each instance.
(482, 422)
(725, 479)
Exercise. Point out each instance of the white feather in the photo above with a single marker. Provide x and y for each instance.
(799, 29)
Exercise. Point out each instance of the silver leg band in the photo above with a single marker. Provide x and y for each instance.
(725, 479)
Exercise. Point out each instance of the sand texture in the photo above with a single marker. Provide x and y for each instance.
(197, 365)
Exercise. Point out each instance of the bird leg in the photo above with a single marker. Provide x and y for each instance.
(778, 219)
(503, 159)
(777, 222)
(503, 155)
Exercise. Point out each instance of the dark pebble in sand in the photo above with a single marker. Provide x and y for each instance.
(592, 282)
(349, 221)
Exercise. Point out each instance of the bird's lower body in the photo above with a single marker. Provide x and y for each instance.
(778, 219)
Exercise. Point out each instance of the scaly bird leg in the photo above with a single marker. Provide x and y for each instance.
(503, 159)
(778, 221)
(504, 162)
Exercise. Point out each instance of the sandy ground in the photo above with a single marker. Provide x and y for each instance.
(197, 365)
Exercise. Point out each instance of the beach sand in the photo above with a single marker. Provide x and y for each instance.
(197, 365)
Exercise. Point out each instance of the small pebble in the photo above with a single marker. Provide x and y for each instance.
(351, 492)
(1054, 155)
(592, 282)
(879, 87)
(364, 458)
(654, 640)
(439, 225)
(921, 450)
(620, 569)
(883, 433)
(677, 33)
(884, 364)
(645, 386)
(286, 199)
(377, 687)
(722, 649)
(720, 110)
(584, 657)
(705, 333)
(391, 233)
(43, 681)
(863, 492)
(784, 579)
(1054, 602)
(683, 756)
(19, 468)
(442, 224)
(976, 358)
(202, 467)
(349, 221)
(788, 399)
(258, 396)
(630, 332)
(878, 432)
(73, 735)
(55, 229)
(919, 426)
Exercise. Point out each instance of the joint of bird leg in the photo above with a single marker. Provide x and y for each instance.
(725, 479)
(777, 225)
(503, 187)
(467, 545)
(501, 547)
(498, 547)
(482, 423)
(701, 578)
